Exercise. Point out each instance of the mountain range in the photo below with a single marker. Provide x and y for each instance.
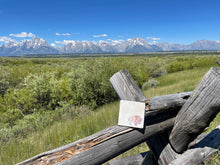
(135, 45)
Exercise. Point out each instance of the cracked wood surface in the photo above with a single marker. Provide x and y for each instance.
(204, 148)
(198, 111)
(100, 147)
(200, 149)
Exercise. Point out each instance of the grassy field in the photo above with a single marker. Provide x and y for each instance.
(89, 122)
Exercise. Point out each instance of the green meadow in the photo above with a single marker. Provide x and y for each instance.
(49, 102)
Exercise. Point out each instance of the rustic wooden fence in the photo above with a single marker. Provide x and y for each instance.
(172, 129)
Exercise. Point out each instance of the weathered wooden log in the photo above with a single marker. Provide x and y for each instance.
(209, 145)
(200, 149)
(100, 147)
(127, 89)
(166, 103)
(150, 160)
(145, 158)
(199, 110)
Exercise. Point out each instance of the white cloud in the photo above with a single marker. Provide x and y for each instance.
(6, 39)
(64, 42)
(53, 44)
(101, 35)
(116, 41)
(153, 42)
(63, 34)
(153, 38)
(22, 35)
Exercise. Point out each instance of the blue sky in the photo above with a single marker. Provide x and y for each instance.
(60, 21)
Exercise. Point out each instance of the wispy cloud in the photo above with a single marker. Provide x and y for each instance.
(64, 42)
(63, 34)
(153, 42)
(22, 35)
(153, 38)
(101, 35)
(6, 39)
(115, 41)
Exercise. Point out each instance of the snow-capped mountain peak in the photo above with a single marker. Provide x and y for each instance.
(35, 42)
(135, 45)
(32, 46)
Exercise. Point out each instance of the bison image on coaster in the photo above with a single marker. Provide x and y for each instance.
(131, 114)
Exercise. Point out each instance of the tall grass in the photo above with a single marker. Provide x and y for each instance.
(64, 132)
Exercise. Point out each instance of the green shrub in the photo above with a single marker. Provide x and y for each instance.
(189, 63)
(10, 116)
(150, 83)
(22, 99)
(4, 83)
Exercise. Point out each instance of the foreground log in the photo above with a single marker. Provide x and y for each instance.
(199, 110)
(209, 145)
(111, 142)
(200, 149)
(100, 147)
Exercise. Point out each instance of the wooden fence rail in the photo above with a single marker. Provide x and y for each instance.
(171, 123)
(200, 149)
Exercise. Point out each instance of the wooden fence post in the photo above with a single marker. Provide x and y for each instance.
(199, 110)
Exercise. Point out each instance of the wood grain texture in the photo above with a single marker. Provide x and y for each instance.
(199, 150)
(102, 146)
(203, 149)
(165, 103)
(126, 87)
(113, 147)
(198, 111)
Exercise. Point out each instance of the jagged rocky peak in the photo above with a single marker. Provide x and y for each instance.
(137, 41)
(11, 43)
(36, 42)
(30, 46)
